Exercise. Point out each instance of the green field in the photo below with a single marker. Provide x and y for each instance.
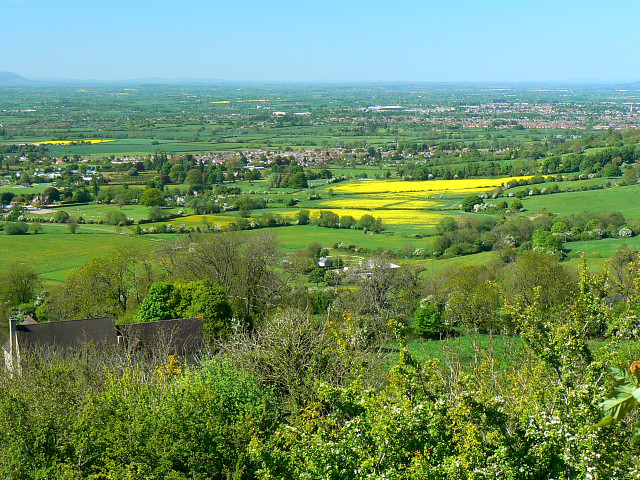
(625, 200)
(56, 253)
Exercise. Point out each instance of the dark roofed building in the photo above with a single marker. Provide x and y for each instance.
(69, 334)
(179, 336)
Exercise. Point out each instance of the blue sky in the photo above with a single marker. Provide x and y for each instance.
(282, 40)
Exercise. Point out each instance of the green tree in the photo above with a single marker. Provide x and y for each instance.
(158, 304)
(111, 285)
(72, 224)
(81, 195)
(298, 181)
(61, 216)
(516, 205)
(469, 202)
(156, 214)
(427, 321)
(51, 195)
(19, 284)
(204, 299)
(302, 217)
(194, 179)
(152, 197)
(316, 276)
(193, 299)
(36, 227)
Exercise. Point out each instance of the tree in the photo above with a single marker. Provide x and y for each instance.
(116, 218)
(317, 275)
(469, 202)
(166, 300)
(151, 197)
(243, 265)
(537, 270)
(427, 321)
(19, 284)
(302, 218)
(81, 196)
(298, 181)
(72, 224)
(60, 216)
(302, 261)
(157, 305)
(109, 285)
(51, 195)
(612, 171)
(155, 214)
(472, 299)
(206, 300)
(194, 179)
(36, 227)
(347, 221)
(6, 197)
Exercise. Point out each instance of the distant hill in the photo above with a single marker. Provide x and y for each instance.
(629, 86)
(10, 78)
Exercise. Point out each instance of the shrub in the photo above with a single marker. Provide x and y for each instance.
(16, 228)
(61, 216)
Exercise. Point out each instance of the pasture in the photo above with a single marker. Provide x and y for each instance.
(625, 200)
(57, 252)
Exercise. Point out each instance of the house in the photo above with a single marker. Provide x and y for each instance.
(325, 262)
(181, 336)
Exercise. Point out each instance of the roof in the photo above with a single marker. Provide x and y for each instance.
(180, 336)
(67, 334)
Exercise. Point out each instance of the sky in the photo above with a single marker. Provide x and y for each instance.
(323, 40)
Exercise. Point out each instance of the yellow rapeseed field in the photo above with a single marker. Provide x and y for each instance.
(69, 142)
(193, 220)
(381, 202)
(466, 185)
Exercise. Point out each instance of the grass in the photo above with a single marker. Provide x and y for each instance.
(625, 200)
(464, 350)
(56, 253)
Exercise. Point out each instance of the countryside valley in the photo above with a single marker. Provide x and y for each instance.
(393, 280)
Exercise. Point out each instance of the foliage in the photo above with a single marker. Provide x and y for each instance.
(622, 398)
(166, 300)
(19, 284)
(427, 321)
(152, 197)
(110, 285)
(16, 228)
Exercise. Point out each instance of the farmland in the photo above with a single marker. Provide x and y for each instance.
(409, 168)
(449, 270)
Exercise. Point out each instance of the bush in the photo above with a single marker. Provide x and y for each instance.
(427, 321)
(16, 228)
(61, 216)
(116, 218)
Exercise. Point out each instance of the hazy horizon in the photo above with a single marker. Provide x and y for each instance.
(300, 42)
